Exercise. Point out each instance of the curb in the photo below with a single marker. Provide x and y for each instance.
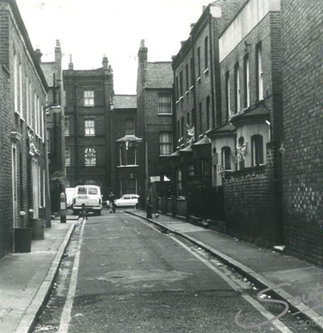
(304, 310)
(28, 320)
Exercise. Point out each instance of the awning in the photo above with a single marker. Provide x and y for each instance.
(129, 138)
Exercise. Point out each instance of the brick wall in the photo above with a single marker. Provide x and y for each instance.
(5, 157)
(302, 31)
(250, 196)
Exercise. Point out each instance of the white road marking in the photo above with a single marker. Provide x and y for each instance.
(67, 310)
(277, 323)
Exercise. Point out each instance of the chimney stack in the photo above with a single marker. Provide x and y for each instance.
(70, 65)
(105, 63)
(38, 55)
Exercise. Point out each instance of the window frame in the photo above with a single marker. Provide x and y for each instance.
(162, 106)
(246, 80)
(259, 72)
(88, 101)
(89, 130)
(257, 150)
(92, 160)
(165, 146)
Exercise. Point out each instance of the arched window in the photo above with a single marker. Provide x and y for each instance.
(226, 158)
(257, 149)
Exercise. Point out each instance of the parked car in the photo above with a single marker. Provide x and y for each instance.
(70, 194)
(127, 200)
(90, 195)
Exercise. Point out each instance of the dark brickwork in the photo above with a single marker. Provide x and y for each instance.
(302, 32)
(99, 81)
(5, 157)
(18, 127)
(251, 208)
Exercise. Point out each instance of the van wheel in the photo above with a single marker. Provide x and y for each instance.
(74, 212)
(98, 213)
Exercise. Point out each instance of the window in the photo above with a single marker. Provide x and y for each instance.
(187, 77)
(90, 157)
(206, 53)
(20, 92)
(165, 143)
(27, 100)
(192, 72)
(226, 158)
(182, 126)
(257, 150)
(205, 167)
(165, 103)
(199, 62)
(128, 153)
(246, 81)
(88, 98)
(208, 113)
(130, 127)
(188, 119)
(67, 157)
(190, 169)
(259, 73)
(237, 87)
(67, 126)
(228, 95)
(89, 129)
(181, 83)
(15, 79)
(177, 89)
(200, 118)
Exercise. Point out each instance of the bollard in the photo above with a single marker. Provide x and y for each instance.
(63, 207)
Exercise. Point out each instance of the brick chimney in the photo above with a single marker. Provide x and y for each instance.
(105, 62)
(38, 55)
(70, 65)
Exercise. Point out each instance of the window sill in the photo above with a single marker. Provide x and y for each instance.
(165, 114)
(206, 71)
(192, 87)
(187, 92)
(128, 166)
(198, 79)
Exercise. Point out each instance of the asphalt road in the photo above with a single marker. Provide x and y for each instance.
(128, 277)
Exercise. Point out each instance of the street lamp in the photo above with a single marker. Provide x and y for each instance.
(48, 109)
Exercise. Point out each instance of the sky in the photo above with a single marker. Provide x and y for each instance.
(88, 30)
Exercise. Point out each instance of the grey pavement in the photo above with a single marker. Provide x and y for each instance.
(26, 279)
(290, 279)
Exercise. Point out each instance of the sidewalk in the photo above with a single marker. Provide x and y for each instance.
(303, 282)
(26, 278)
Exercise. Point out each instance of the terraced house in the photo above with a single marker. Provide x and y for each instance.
(245, 147)
(23, 91)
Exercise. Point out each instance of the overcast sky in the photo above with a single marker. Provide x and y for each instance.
(90, 29)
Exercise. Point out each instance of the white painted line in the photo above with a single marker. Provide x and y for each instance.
(67, 310)
(277, 323)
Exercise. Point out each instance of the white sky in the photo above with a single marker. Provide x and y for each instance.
(90, 29)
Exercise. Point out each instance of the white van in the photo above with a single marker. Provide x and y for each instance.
(90, 195)
(70, 193)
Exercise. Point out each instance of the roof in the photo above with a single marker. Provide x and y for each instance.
(159, 75)
(204, 141)
(48, 69)
(125, 101)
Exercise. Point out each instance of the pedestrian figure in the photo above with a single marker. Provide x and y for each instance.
(149, 207)
(112, 204)
(83, 213)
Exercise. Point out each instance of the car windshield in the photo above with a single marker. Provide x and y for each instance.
(81, 190)
(93, 190)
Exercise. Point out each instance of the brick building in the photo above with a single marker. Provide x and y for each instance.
(125, 146)
(23, 90)
(245, 145)
(154, 119)
(197, 104)
(55, 125)
(89, 96)
(302, 32)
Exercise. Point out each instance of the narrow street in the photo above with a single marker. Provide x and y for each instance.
(122, 274)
